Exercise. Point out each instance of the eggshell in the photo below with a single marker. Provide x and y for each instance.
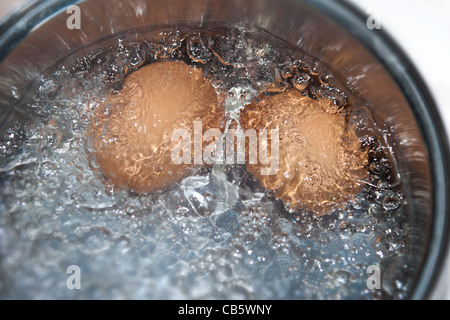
(321, 164)
(132, 130)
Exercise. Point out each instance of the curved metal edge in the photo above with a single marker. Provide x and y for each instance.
(17, 26)
(395, 60)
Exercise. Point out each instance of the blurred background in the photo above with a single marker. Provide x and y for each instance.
(8, 6)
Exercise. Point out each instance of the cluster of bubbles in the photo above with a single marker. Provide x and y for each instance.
(218, 234)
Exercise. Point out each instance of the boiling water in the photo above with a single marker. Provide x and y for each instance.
(218, 234)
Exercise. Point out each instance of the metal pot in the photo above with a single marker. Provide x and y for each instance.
(336, 33)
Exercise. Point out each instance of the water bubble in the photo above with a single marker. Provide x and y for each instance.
(227, 220)
(333, 99)
(301, 81)
(342, 277)
(389, 199)
(326, 79)
(94, 241)
(31, 229)
(197, 50)
(238, 293)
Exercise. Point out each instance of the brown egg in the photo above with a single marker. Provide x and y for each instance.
(132, 130)
(321, 165)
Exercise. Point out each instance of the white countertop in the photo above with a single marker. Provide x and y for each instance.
(7, 6)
